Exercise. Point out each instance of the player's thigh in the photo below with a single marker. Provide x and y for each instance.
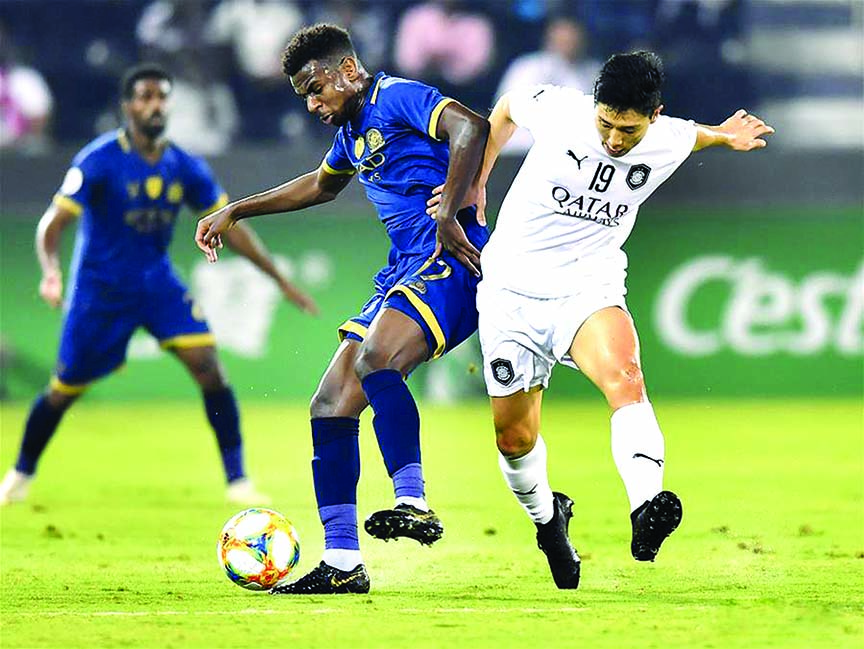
(93, 342)
(517, 421)
(339, 393)
(440, 295)
(395, 340)
(203, 364)
(173, 317)
(606, 345)
(516, 340)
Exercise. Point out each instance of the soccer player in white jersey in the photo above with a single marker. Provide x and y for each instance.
(553, 281)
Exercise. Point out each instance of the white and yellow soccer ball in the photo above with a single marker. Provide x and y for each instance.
(257, 548)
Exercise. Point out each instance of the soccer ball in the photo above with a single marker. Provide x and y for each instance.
(257, 548)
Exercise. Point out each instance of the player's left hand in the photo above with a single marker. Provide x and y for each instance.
(297, 297)
(476, 196)
(208, 234)
(451, 237)
(745, 131)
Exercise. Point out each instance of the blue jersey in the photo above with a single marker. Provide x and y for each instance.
(129, 207)
(121, 277)
(392, 147)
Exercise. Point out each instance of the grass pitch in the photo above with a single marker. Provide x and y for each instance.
(116, 547)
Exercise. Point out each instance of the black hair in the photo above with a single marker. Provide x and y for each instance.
(630, 81)
(319, 42)
(138, 72)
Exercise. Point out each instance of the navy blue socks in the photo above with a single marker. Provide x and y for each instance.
(335, 472)
(41, 424)
(397, 427)
(224, 417)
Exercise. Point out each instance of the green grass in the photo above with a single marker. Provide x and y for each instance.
(116, 547)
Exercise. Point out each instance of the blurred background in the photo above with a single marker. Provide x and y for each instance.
(746, 271)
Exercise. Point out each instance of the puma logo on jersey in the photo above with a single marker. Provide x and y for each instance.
(577, 159)
(658, 462)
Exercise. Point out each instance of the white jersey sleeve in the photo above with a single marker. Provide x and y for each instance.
(540, 108)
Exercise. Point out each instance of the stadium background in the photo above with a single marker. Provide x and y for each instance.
(745, 274)
(745, 280)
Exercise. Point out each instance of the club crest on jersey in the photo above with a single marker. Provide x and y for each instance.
(638, 176)
(153, 187)
(374, 140)
(417, 285)
(175, 192)
(502, 370)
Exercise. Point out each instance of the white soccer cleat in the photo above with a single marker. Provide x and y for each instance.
(243, 492)
(14, 487)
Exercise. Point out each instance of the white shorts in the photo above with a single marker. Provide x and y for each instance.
(523, 337)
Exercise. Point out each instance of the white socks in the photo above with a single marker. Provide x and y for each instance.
(345, 560)
(526, 476)
(638, 451)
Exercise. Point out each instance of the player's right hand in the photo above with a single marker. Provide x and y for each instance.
(51, 289)
(208, 234)
(452, 237)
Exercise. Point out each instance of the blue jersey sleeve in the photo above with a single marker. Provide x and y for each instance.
(337, 162)
(414, 104)
(81, 182)
(202, 192)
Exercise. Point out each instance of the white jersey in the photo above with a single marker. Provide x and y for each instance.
(572, 206)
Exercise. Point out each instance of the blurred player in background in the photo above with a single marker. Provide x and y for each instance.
(402, 138)
(553, 281)
(128, 187)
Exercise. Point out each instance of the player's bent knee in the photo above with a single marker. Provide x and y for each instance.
(514, 441)
(61, 400)
(624, 385)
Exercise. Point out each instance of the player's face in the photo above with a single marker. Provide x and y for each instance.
(620, 132)
(147, 109)
(330, 92)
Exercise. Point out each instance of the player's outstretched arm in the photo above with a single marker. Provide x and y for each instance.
(466, 134)
(48, 235)
(740, 132)
(244, 241)
(313, 188)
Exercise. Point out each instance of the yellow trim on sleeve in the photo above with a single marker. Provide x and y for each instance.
(425, 313)
(351, 327)
(436, 115)
(64, 388)
(68, 204)
(221, 202)
(187, 341)
(337, 172)
(375, 92)
(123, 140)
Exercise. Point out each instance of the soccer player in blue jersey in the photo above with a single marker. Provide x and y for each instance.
(127, 187)
(401, 138)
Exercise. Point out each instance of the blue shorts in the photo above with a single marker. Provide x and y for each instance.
(438, 294)
(101, 319)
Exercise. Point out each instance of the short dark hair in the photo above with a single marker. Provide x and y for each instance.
(316, 43)
(630, 81)
(141, 71)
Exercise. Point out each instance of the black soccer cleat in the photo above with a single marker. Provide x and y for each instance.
(653, 521)
(554, 540)
(405, 520)
(327, 580)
